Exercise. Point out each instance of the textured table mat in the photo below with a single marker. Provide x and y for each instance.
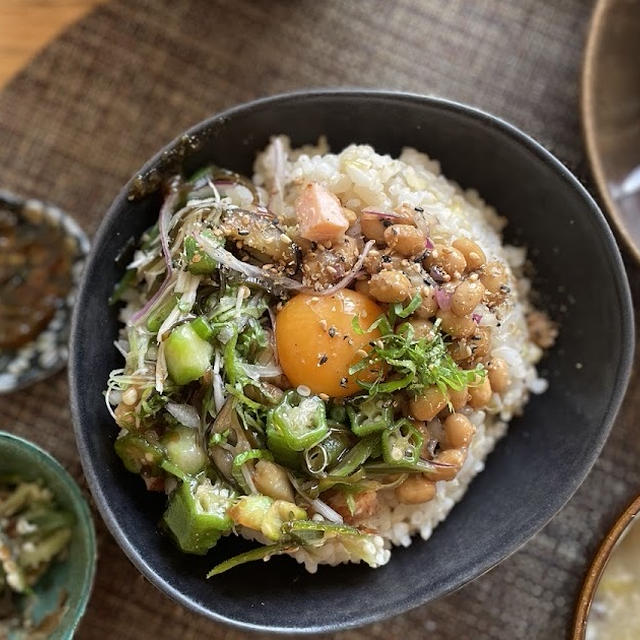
(87, 112)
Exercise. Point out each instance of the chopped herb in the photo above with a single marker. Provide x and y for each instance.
(417, 362)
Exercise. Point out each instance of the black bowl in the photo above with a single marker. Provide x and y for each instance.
(533, 471)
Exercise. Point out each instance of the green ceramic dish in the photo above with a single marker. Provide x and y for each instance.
(75, 575)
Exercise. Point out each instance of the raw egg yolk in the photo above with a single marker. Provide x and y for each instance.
(317, 344)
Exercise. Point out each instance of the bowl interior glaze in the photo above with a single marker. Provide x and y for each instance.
(532, 472)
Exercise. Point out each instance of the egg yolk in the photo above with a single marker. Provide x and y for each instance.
(317, 344)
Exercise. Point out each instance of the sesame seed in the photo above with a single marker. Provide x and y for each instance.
(343, 382)
(303, 390)
(323, 359)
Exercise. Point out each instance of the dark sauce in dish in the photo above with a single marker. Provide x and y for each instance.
(35, 276)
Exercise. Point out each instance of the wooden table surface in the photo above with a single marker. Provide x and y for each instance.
(28, 25)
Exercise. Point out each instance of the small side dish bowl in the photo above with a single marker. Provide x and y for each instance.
(611, 113)
(68, 581)
(46, 350)
(627, 519)
(533, 471)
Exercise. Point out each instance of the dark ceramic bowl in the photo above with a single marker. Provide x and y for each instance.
(534, 470)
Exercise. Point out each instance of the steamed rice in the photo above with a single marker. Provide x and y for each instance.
(360, 177)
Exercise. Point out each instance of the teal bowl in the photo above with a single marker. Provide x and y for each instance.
(73, 576)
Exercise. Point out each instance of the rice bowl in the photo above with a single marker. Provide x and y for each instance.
(502, 509)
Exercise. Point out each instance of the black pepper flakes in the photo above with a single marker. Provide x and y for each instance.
(343, 382)
(386, 258)
(418, 209)
(332, 332)
(323, 358)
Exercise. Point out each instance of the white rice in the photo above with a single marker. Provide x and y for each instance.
(360, 177)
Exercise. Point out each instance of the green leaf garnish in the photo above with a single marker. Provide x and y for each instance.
(416, 363)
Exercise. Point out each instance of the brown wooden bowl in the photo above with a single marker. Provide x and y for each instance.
(598, 565)
(611, 112)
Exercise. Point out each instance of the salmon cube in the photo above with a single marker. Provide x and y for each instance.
(320, 215)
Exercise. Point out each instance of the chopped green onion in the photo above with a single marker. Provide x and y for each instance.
(356, 456)
(259, 553)
(306, 532)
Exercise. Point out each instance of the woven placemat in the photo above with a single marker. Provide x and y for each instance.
(85, 114)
